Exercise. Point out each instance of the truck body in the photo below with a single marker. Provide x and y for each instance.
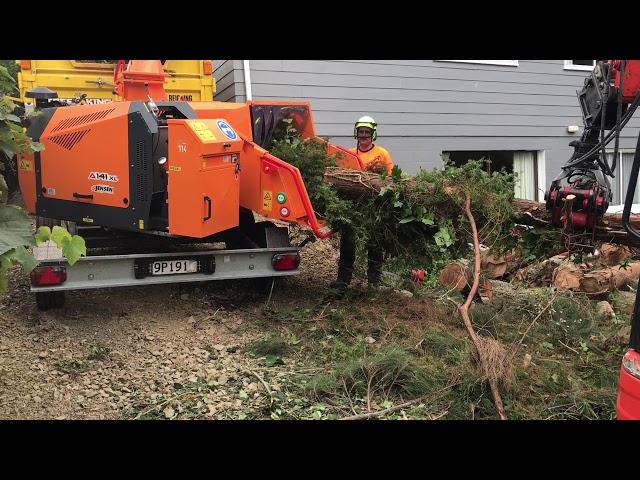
(187, 80)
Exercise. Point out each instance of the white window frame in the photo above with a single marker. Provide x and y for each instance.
(542, 175)
(568, 65)
(503, 63)
(541, 171)
(635, 207)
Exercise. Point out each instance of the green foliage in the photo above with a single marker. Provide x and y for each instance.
(15, 228)
(15, 233)
(539, 242)
(72, 246)
(13, 138)
(387, 373)
(72, 367)
(12, 68)
(7, 80)
(15, 225)
(98, 351)
(311, 158)
(415, 217)
(272, 346)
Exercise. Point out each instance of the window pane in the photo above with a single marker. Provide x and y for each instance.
(624, 172)
(615, 182)
(589, 63)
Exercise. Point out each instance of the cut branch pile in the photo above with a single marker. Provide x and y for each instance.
(352, 183)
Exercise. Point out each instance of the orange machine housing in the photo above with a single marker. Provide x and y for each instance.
(182, 168)
(140, 80)
(74, 169)
(268, 185)
(204, 186)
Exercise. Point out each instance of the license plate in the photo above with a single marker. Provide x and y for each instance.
(170, 267)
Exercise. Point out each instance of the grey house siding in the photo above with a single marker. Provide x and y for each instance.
(424, 107)
(229, 81)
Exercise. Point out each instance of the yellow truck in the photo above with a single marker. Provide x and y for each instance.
(188, 80)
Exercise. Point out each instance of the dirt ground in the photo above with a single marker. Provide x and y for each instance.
(127, 352)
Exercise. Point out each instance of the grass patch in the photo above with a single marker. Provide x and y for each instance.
(98, 351)
(389, 373)
(72, 367)
(271, 345)
(371, 350)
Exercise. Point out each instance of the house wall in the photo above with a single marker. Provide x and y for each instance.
(424, 107)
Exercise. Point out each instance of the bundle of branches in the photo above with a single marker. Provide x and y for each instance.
(418, 217)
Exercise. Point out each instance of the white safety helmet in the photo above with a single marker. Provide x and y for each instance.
(367, 122)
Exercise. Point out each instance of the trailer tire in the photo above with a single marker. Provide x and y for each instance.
(262, 285)
(49, 300)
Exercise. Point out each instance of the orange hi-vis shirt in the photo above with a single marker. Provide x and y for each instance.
(377, 156)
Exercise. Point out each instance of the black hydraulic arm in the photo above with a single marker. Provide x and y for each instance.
(634, 341)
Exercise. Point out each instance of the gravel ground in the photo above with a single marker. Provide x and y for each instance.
(159, 351)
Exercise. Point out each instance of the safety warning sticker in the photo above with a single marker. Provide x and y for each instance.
(26, 165)
(267, 200)
(226, 129)
(202, 131)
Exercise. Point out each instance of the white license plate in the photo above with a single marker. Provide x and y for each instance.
(169, 267)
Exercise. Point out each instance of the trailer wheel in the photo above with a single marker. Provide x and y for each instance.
(49, 300)
(262, 285)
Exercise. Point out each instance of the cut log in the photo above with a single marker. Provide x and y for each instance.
(612, 255)
(455, 275)
(539, 274)
(485, 291)
(609, 279)
(458, 276)
(498, 266)
(567, 277)
(611, 229)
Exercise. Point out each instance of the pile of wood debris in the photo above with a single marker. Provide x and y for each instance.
(610, 267)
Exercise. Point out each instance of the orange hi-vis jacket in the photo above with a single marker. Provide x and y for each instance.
(374, 158)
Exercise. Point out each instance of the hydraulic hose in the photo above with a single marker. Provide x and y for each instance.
(608, 137)
(631, 190)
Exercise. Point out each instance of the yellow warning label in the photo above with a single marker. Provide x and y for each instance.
(206, 134)
(141, 224)
(87, 219)
(26, 165)
(175, 168)
(202, 131)
(267, 200)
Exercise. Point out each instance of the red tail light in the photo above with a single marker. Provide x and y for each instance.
(631, 363)
(48, 276)
(285, 261)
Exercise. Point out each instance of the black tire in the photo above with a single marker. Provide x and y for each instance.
(262, 285)
(243, 236)
(49, 300)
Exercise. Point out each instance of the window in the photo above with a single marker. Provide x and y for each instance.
(506, 63)
(524, 163)
(584, 65)
(620, 184)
